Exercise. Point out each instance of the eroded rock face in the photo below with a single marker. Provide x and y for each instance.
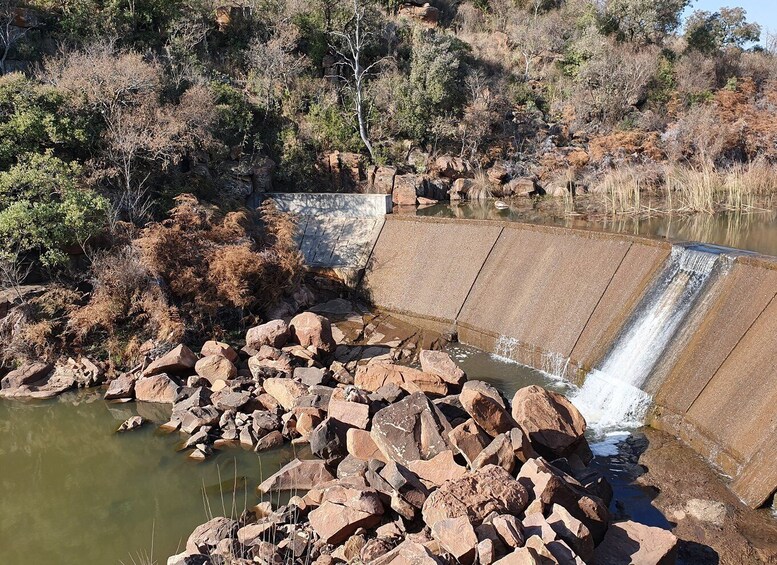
(490, 489)
(484, 404)
(310, 329)
(274, 333)
(550, 420)
(297, 475)
(411, 429)
(630, 543)
(157, 388)
(179, 360)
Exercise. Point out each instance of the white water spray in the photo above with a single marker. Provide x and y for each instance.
(612, 395)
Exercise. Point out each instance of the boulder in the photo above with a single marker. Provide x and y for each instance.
(437, 470)
(522, 447)
(274, 333)
(487, 490)
(552, 422)
(198, 416)
(132, 423)
(469, 440)
(328, 441)
(215, 367)
(353, 414)
(180, 360)
(374, 376)
(457, 538)
(285, 391)
(411, 429)
(226, 399)
(485, 405)
(360, 445)
(630, 543)
(157, 388)
(206, 537)
(451, 167)
(343, 511)
(498, 452)
(297, 475)
(27, 374)
(383, 180)
(405, 190)
(310, 329)
(310, 376)
(406, 553)
(440, 363)
(219, 348)
(269, 441)
(572, 531)
(121, 387)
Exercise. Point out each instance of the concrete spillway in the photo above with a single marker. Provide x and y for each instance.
(694, 353)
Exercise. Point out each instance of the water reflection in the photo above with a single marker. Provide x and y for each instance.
(752, 231)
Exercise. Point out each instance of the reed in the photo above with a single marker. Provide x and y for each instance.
(480, 189)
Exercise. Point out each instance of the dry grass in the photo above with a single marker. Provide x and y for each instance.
(480, 189)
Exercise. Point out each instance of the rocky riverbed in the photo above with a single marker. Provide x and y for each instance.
(413, 461)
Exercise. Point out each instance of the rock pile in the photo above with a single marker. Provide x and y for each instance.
(413, 465)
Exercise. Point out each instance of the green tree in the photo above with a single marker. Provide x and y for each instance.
(709, 32)
(642, 21)
(44, 210)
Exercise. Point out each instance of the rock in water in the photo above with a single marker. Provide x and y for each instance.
(157, 388)
(441, 364)
(411, 429)
(550, 420)
(630, 543)
(132, 423)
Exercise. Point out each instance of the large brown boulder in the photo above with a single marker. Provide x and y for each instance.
(122, 386)
(469, 440)
(352, 414)
(157, 388)
(297, 475)
(413, 428)
(373, 376)
(406, 188)
(343, 511)
(285, 391)
(205, 537)
(490, 489)
(180, 360)
(630, 543)
(437, 470)
(440, 363)
(215, 367)
(552, 422)
(219, 348)
(572, 531)
(485, 405)
(498, 452)
(310, 329)
(27, 374)
(360, 445)
(274, 333)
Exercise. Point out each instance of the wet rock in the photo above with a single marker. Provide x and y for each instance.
(343, 511)
(274, 333)
(219, 348)
(122, 386)
(360, 445)
(27, 374)
(490, 489)
(485, 405)
(156, 388)
(179, 360)
(440, 363)
(297, 475)
(206, 537)
(457, 537)
(215, 367)
(411, 429)
(270, 441)
(285, 391)
(630, 543)
(437, 470)
(498, 452)
(132, 423)
(552, 422)
(572, 531)
(310, 329)
(352, 414)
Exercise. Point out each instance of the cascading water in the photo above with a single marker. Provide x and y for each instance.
(612, 395)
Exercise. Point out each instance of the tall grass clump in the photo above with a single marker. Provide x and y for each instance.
(480, 188)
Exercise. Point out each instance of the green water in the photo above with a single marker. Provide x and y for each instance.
(74, 492)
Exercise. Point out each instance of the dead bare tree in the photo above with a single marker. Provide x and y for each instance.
(353, 70)
(10, 33)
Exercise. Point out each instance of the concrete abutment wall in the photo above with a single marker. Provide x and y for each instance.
(555, 299)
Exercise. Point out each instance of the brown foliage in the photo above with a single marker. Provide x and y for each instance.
(626, 143)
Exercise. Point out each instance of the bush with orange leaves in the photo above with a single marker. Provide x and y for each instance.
(195, 274)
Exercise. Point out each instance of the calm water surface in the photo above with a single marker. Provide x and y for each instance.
(74, 492)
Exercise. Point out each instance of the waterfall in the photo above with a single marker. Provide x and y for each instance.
(612, 394)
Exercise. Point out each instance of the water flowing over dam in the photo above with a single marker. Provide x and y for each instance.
(613, 394)
(677, 336)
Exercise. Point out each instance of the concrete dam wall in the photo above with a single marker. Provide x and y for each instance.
(564, 300)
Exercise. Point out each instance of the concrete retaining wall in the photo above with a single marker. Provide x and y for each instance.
(325, 204)
(555, 298)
